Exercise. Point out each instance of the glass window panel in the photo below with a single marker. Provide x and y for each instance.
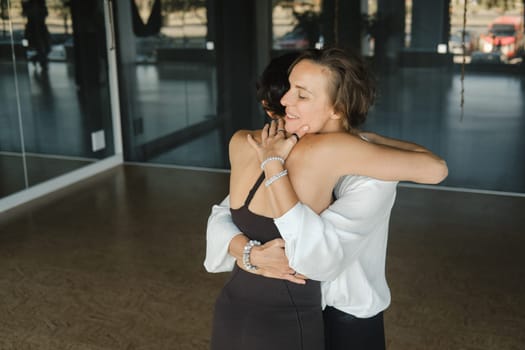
(12, 162)
(63, 85)
(492, 34)
(55, 114)
(163, 25)
(296, 24)
(471, 115)
(172, 84)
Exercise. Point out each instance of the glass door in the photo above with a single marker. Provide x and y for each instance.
(168, 83)
(56, 114)
(12, 162)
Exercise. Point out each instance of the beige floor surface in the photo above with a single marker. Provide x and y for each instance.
(116, 263)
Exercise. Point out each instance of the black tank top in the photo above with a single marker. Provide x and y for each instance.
(258, 227)
(260, 313)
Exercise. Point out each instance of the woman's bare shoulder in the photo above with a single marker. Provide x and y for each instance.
(330, 154)
(240, 137)
(239, 148)
(239, 140)
(327, 142)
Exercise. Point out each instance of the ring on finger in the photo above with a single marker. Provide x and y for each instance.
(279, 130)
(296, 136)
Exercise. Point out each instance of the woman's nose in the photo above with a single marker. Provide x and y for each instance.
(284, 99)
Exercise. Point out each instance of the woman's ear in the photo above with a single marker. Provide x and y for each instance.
(271, 114)
(335, 116)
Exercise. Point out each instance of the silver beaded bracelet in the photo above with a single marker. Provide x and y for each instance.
(246, 255)
(269, 159)
(275, 177)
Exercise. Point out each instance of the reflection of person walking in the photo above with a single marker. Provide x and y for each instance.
(36, 31)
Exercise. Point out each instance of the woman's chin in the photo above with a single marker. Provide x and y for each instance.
(291, 125)
(290, 130)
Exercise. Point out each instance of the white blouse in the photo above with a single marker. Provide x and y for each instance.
(344, 246)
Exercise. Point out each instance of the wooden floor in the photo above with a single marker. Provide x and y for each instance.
(116, 263)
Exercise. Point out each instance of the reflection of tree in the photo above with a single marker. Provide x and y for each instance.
(369, 23)
(169, 6)
(4, 15)
(3, 10)
(505, 5)
(185, 7)
(182, 5)
(308, 21)
(60, 9)
(282, 3)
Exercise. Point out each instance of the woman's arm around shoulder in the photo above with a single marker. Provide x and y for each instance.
(394, 160)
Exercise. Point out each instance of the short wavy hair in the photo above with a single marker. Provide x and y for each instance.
(353, 86)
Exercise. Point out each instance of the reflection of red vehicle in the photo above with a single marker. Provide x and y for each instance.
(505, 35)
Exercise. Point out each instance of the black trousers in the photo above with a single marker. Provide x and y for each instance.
(343, 331)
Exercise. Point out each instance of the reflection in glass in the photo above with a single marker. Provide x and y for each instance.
(61, 70)
(171, 84)
(296, 25)
(36, 33)
(160, 26)
(489, 37)
(12, 166)
(473, 118)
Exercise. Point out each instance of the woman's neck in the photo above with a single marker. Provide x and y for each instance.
(333, 126)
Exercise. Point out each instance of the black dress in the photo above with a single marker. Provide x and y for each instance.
(255, 312)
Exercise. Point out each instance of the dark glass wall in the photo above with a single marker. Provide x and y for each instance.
(55, 114)
(168, 83)
(187, 85)
(449, 93)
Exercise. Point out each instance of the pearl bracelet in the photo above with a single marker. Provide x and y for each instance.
(246, 255)
(269, 159)
(275, 177)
